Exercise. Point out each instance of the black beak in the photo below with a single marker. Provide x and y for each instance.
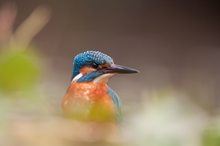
(119, 69)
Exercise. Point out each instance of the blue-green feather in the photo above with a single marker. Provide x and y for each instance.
(116, 103)
(90, 76)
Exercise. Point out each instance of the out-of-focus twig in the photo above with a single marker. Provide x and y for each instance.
(8, 14)
(31, 26)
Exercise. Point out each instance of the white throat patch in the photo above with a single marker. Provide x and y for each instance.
(102, 78)
(77, 77)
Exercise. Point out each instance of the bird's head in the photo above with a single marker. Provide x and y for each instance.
(96, 66)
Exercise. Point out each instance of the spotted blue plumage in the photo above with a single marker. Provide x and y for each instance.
(89, 58)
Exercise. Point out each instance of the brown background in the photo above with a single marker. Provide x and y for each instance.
(173, 43)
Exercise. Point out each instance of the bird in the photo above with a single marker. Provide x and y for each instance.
(89, 97)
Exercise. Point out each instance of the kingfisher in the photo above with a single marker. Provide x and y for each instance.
(89, 97)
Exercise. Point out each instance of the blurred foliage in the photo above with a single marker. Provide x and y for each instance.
(211, 135)
(18, 63)
(19, 69)
(90, 112)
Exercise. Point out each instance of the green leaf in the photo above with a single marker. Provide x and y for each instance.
(18, 70)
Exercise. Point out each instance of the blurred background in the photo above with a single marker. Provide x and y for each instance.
(173, 101)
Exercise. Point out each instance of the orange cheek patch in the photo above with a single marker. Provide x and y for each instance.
(105, 65)
(85, 70)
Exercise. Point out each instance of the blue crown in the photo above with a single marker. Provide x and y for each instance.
(90, 59)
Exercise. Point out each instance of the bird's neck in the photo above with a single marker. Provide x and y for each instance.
(88, 85)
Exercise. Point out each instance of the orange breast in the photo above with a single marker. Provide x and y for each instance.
(88, 101)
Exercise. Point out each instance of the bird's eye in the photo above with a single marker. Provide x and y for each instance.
(94, 65)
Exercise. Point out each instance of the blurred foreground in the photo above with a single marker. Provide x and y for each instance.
(165, 117)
